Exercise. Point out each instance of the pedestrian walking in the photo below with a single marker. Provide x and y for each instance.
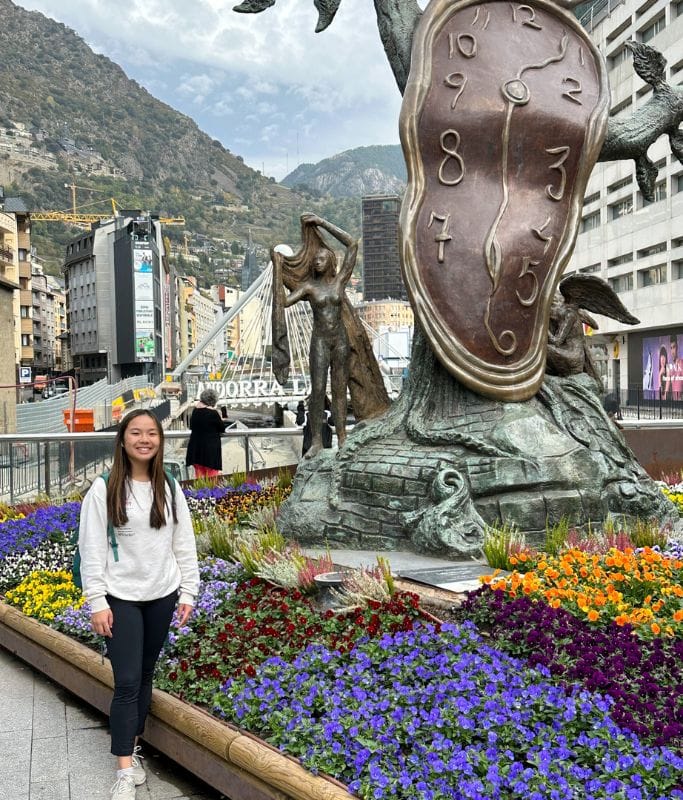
(204, 450)
(136, 579)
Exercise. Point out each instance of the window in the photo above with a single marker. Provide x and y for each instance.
(25, 340)
(646, 5)
(652, 29)
(592, 268)
(677, 9)
(613, 187)
(591, 198)
(623, 259)
(677, 242)
(676, 270)
(618, 31)
(652, 276)
(622, 283)
(659, 194)
(25, 312)
(677, 183)
(590, 222)
(652, 250)
(618, 57)
(620, 209)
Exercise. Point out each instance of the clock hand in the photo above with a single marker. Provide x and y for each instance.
(517, 93)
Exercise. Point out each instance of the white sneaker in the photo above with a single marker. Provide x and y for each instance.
(139, 774)
(124, 788)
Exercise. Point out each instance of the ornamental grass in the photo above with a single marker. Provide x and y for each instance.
(643, 589)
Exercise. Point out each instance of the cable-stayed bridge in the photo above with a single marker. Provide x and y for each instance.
(246, 377)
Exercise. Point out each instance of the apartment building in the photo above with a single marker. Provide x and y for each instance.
(198, 313)
(636, 245)
(9, 314)
(386, 313)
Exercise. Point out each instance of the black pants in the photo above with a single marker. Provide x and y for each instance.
(138, 634)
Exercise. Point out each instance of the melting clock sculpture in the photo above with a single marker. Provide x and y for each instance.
(504, 115)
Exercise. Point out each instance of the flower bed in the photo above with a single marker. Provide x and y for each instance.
(642, 589)
(550, 705)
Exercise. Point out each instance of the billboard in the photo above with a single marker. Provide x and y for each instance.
(663, 367)
(143, 281)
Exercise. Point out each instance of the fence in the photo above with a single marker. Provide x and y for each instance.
(56, 464)
(637, 403)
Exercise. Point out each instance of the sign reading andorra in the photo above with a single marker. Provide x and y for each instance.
(503, 118)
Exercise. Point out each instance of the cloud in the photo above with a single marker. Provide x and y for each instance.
(197, 86)
(335, 89)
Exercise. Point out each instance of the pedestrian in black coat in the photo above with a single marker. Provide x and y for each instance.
(302, 418)
(204, 451)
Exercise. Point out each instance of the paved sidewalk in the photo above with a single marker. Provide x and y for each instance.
(55, 747)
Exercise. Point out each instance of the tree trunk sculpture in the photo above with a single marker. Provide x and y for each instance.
(444, 461)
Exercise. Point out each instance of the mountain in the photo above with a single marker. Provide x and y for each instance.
(379, 169)
(88, 124)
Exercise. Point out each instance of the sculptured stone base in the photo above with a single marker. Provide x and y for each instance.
(439, 466)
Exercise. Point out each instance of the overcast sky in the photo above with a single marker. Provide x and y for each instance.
(265, 85)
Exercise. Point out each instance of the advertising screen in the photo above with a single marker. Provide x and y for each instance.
(144, 303)
(663, 367)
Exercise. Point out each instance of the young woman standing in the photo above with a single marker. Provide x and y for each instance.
(134, 589)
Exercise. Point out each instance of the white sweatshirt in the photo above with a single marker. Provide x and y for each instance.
(152, 562)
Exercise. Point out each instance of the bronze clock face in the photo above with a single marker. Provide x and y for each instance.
(503, 117)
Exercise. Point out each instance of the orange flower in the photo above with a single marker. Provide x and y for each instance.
(655, 629)
(678, 615)
(593, 615)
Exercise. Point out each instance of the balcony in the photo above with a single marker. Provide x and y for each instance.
(6, 256)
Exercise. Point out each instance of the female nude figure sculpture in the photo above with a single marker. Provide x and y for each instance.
(338, 343)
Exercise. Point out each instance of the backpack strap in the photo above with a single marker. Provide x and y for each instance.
(171, 482)
(110, 527)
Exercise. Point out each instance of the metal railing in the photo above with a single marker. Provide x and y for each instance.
(638, 403)
(55, 464)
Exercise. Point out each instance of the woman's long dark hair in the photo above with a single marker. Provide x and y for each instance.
(121, 473)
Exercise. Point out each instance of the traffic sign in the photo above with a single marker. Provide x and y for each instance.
(24, 374)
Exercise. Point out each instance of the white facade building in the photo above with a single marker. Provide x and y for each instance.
(635, 245)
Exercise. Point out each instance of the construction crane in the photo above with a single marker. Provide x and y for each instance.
(80, 219)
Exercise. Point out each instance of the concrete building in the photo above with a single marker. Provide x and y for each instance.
(115, 300)
(381, 265)
(636, 245)
(44, 342)
(9, 299)
(63, 361)
(197, 313)
(386, 313)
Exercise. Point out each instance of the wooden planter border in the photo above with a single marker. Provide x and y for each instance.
(233, 762)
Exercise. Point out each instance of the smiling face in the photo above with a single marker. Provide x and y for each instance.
(141, 441)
